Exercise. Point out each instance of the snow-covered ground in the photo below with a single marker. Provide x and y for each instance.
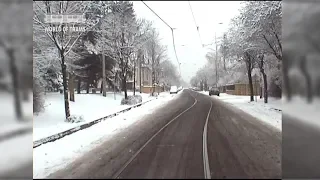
(301, 110)
(268, 113)
(8, 122)
(88, 106)
(50, 157)
(16, 150)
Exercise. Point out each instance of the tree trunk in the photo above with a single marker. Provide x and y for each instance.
(153, 81)
(104, 93)
(25, 94)
(250, 85)
(101, 87)
(65, 85)
(15, 83)
(71, 87)
(249, 70)
(88, 85)
(25, 89)
(265, 86)
(124, 86)
(260, 92)
(265, 81)
(79, 86)
(134, 78)
(286, 79)
(303, 67)
(224, 63)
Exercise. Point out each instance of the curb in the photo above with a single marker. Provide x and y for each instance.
(276, 109)
(60, 135)
(16, 133)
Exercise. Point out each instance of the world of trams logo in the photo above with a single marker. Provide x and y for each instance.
(65, 22)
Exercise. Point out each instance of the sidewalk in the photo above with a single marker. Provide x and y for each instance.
(86, 108)
(270, 112)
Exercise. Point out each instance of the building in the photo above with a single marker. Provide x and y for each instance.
(143, 75)
(243, 88)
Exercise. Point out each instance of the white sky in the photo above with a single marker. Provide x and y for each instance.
(178, 15)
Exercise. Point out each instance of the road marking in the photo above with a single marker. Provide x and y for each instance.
(163, 145)
(116, 176)
(207, 174)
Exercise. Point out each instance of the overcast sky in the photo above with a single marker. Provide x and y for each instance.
(178, 15)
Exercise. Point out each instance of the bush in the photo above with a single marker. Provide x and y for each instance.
(154, 94)
(61, 90)
(132, 100)
(74, 119)
(38, 99)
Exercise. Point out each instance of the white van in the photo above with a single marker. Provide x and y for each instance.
(173, 89)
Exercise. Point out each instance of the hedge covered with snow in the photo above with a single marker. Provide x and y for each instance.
(132, 100)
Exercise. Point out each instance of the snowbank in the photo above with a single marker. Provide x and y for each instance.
(87, 107)
(270, 113)
(131, 100)
(8, 122)
(7, 114)
(301, 110)
(53, 156)
(16, 150)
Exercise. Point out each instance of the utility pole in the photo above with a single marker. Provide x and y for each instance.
(216, 63)
(224, 52)
(140, 72)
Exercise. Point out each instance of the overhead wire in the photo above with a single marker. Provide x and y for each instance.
(174, 46)
(194, 20)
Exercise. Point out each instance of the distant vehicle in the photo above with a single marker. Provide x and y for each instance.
(214, 91)
(173, 90)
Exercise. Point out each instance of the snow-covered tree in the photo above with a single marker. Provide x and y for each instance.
(121, 35)
(14, 34)
(251, 36)
(62, 37)
(264, 20)
(156, 52)
(169, 73)
(301, 49)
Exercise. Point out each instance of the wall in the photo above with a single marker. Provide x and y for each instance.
(148, 89)
(244, 90)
